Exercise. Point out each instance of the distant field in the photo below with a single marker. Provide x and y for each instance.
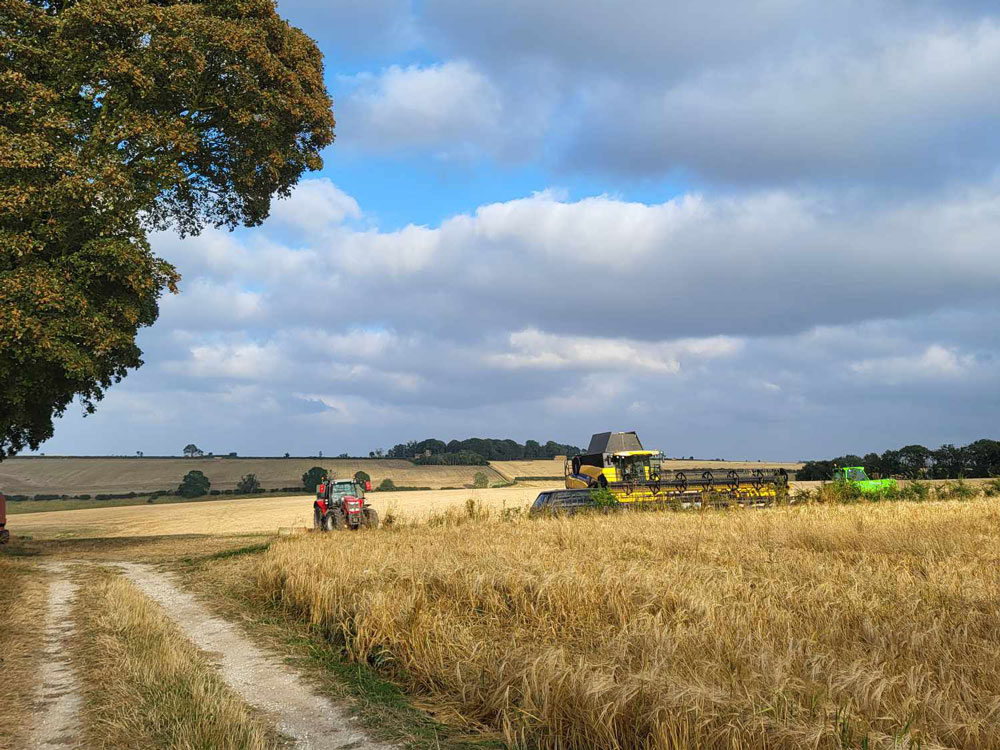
(75, 476)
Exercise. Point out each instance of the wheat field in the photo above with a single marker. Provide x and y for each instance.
(822, 626)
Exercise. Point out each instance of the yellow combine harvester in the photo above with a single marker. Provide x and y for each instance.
(616, 461)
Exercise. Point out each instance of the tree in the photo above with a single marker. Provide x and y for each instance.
(248, 484)
(191, 450)
(480, 480)
(983, 457)
(949, 462)
(387, 484)
(914, 460)
(117, 119)
(313, 477)
(361, 477)
(194, 484)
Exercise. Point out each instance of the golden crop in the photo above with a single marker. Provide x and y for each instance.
(817, 626)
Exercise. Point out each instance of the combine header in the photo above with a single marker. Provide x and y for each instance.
(616, 461)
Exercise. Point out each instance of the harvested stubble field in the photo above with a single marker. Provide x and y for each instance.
(821, 626)
(262, 515)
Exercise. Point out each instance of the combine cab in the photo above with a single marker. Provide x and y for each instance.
(855, 477)
(616, 461)
(341, 505)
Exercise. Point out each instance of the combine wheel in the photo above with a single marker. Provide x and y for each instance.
(734, 481)
(681, 477)
(370, 516)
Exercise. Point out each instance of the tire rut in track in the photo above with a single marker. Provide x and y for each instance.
(261, 678)
(59, 699)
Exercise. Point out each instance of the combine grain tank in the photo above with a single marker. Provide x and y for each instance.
(616, 461)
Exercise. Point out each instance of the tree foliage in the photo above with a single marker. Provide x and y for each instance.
(117, 118)
(194, 484)
(248, 484)
(461, 458)
(975, 460)
(490, 449)
(313, 477)
(191, 450)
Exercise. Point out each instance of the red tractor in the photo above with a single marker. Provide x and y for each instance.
(4, 534)
(341, 504)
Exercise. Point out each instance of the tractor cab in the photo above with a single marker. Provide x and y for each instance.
(850, 474)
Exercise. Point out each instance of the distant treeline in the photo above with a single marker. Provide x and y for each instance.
(978, 459)
(476, 451)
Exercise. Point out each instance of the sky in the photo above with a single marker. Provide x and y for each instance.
(746, 230)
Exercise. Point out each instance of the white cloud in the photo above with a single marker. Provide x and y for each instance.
(449, 108)
(314, 205)
(534, 349)
(935, 363)
(244, 361)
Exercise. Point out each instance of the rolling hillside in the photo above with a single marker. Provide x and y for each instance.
(74, 476)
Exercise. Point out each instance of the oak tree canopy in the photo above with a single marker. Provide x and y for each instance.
(119, 118)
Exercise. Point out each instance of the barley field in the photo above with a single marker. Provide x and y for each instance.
(823, 626)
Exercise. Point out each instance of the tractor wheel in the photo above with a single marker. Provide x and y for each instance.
(338, 520)
(371, 518)
(5, 535)
(317, 519)
(328, 522)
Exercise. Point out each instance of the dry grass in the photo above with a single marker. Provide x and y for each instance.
(22, 606)
(146, 686)
(871, 625)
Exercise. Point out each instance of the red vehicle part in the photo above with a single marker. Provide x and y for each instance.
(4, 534)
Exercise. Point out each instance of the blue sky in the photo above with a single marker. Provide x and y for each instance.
(749, 230)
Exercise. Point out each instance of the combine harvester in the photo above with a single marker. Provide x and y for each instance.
(617, 462)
